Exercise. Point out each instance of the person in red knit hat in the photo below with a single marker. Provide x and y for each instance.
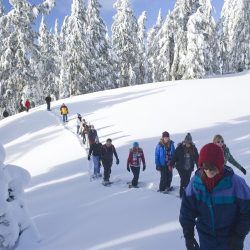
(217, 202)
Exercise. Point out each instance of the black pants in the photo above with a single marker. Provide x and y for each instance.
(83, 138)
(136, 173)
(185, 178)
(48, 105)
(107, 169)
(166, 178)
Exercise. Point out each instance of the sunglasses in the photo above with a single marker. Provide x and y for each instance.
(210, 168)
(221, 142)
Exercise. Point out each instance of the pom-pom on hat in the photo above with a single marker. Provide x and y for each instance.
(213, 155)
(188, 138)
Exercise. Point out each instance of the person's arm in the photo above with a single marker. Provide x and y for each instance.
(90, 151)
(115, 153)
(143, 158)
(129, 160)
(175, 157)
(188, 214)
(234, 162)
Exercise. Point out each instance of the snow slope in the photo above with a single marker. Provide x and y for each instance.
(73, 213)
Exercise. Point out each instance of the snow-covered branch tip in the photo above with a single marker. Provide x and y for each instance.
(46, 6)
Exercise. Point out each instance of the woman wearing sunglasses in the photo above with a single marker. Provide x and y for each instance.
(218, 140)
(217, 202)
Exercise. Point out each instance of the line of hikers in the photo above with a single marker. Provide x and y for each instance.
(183, 158)
(216, 200)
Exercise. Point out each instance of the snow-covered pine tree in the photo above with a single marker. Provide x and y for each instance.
(163, 57)
(19, 50)
(125, 43)
(235, 38)
(57, 59)
(152, 48)
(75, 75)
(46, 68)
(178, 23)
(101, 65)
(143, 64)
(200, 31)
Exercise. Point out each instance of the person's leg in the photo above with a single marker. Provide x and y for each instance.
(169, 177)
(163, 181)
(63, 116)
(181, 174)
(107, 170)
(136, 172)
(77, 129)
(96, 164)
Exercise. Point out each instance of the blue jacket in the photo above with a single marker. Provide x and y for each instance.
(160, 154)
(217, 215)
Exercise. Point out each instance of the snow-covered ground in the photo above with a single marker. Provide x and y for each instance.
(73, 213)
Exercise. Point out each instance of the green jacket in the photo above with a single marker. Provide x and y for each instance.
(229, 158)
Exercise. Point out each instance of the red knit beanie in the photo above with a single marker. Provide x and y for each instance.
(212, 154)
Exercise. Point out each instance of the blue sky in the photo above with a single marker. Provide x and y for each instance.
(152, 7)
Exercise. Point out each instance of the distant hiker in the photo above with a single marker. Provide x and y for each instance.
(64, 112)
(108, 150)
(27, 105)
(78, 123)
(163, 155)
(48, 101)
(217, 203)
(184, 158)
(84, 129)
(92, 134)
(218, 140)
(21, 106)
(96, 150)
(5, 113)
(135, 158)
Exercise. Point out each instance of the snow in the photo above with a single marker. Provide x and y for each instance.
(69, 211)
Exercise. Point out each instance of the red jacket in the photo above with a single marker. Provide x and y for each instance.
(27, 104)
(135, 157)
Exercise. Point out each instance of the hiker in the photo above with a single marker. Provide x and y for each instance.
(218, 140)
(95, 150)
(184, 158)
(64, 112)
(27, 105)
(5, 113)
(22, 108)
(78, 123)
(48, 101)
(84, 130)
(92, 134)
(107, 152)
(163, 155)
(217, 203)
(135, 158)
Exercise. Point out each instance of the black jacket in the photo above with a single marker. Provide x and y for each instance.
(178, 158)
(48, 99)
(107, 153)
(92, 134)
(95, 149)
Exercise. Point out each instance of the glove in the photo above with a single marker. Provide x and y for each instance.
(243, 170)
(158, 168)
(128, 168)
(236, 242)
(191, 244)
(144, 167)
(117, 161)
(89, 157)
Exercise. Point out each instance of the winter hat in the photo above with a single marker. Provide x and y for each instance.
(2, 154)
(188, 138)
(135, 144)
(108, 140)
(165, 134)
(212, 154)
